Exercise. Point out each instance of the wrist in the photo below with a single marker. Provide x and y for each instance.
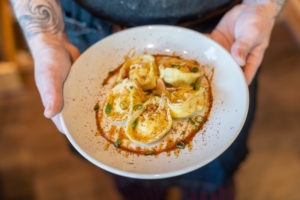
(45, 41)
(271, 7)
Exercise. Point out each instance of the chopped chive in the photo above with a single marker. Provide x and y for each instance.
(192, 122)
(108, 108)
(196, 127)
(96, 107)
(130, 87)
(183, 133)
(157, 95)
(192, 84)
(117, 143)
(180, 145)
(110, 73)
(118, 82)
(195, 69)
(149, 153)
(175, 65)
(197, 86)
(137, 107)
(134, 123)
(148, 92)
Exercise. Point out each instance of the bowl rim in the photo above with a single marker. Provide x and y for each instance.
(175, 172)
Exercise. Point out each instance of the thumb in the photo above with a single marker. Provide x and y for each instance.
(50, 87)
(240, 50)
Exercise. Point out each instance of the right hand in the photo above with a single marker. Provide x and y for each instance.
(52, 59)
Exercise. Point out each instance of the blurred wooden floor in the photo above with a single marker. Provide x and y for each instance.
(36, 162)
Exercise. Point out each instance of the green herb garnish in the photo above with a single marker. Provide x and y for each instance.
(117, 143)
(96, 107)
(195, 69)
(196, 127)
(197, 86)
(108, 108)
(191, 120)
(110, 73)
(192, 84)
(118, 82)
(149, 153)
(180, 145)
(134, 123)
(130, 87)
(157, 95)
(183, 133)
(137, 107)
(148, 92)
(175, 66)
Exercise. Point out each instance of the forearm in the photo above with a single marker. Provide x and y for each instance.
(40, 20)
(274, 6)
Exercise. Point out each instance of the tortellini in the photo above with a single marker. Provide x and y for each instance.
(151, 122)
(147, 100)
(183, 102)
(121, 100)
(142, 69)
(179, 72)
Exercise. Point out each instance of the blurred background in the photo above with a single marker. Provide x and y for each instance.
(36, 161)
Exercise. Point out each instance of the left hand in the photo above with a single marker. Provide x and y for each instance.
(245, 31)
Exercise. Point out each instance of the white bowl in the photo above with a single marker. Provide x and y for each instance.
(81, 90)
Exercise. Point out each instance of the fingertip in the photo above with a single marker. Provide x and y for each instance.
(238, 55)
(249, 78)
(207, 35)
(251, 68)
(49, 113)
(53, 102)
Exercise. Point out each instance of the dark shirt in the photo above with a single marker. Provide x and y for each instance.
(140, 12)
(84, 30)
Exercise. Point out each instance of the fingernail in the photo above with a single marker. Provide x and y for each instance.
(241, 62)
(47, 113)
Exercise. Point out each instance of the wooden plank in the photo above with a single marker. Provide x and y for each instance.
(6, 23)
(291, 16)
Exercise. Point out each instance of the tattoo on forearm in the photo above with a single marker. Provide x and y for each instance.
(279, 2)
(39, 16)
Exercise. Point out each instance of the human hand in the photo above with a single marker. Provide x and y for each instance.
(245, 31)
(52, 60)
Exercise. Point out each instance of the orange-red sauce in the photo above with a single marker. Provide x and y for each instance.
(171, 145)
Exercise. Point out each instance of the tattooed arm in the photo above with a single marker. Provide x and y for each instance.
(245, 32)
(39, 16)
(43, 27)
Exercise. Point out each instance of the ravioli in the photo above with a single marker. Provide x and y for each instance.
(179, 72)
(151, 122)
(121, 100)
(141, 69)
